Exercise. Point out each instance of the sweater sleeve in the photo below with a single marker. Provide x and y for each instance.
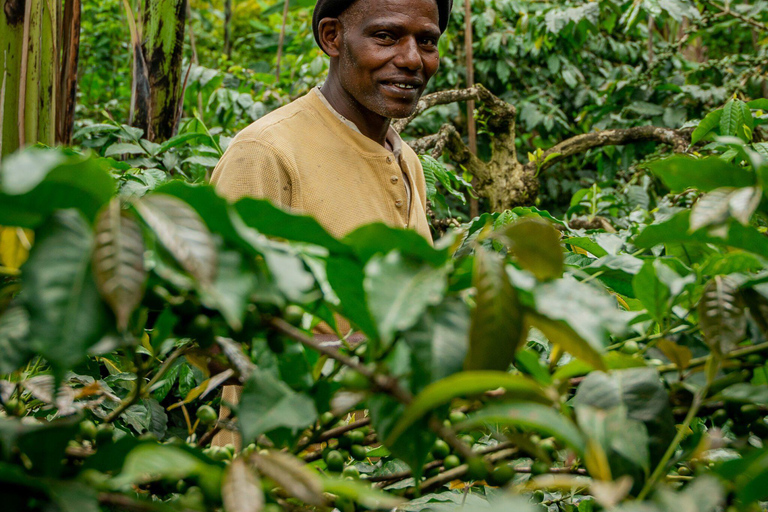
(254, 168)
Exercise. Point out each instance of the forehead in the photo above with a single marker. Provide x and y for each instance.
(423, 14)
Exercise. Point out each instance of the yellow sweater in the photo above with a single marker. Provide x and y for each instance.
(304, 158)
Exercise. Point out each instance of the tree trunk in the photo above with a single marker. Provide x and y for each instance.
(157, 88)
(28, 57)
(67, 98)
(228, 28)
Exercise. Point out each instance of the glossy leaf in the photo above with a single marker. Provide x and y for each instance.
(535, 244)
(66, 313)
(118, 261)
(540, 418)
(705, 127)
(183, 233)
(467, 384)
(496, 326)
(705, 174)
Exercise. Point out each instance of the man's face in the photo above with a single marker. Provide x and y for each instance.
(389, 53)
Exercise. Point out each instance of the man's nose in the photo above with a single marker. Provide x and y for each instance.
(408, 55)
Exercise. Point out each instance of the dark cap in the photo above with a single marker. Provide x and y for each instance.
(334, 8)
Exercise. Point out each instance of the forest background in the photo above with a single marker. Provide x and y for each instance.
(588, 333)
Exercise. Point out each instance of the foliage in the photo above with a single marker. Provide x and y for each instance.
(496, 372)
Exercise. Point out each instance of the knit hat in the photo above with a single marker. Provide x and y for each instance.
(333, 8)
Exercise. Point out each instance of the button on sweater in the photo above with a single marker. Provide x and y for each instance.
(305, 158)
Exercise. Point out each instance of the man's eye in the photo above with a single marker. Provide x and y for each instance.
(384, 36)
(429, 42)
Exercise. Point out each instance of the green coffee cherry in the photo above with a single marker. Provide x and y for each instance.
(334, 460)
(719, 417)
(684, 471)
(477, 470)
(440, 450)
(104, 433)
(326, 418)
(501, 474)
(537, 496)
(457, 417)
(351, 472)
(539, 468)
(207, 415)
(293, 315)
(358, 452)
(451, 461)
(356, 437)
(630, 347)
(354, 380)
(88, 430)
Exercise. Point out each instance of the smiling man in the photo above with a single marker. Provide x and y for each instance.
(332, 154)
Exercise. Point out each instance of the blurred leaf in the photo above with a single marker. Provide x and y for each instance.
(150, 462)
(399, 291)
(535, 244)
(66, 313)
(292, 475)
(468, 384)
(709, 123)
(14, 346)
(540, 418)
(652, 291)
(679, 355)
(496, 326)
(182, 232)
(118, 261)
(36, 182)
(705, 174)
(721, 315)
(268, 403)
(241, 489)
(368, 497)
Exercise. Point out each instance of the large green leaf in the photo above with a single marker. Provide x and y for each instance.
(519, 387)
(345, 275)
(67, 316)
(561, 334)
(641, 392)
(736, 120)
(36, 182)
(535, 244)
(533, 416)
(118, 261)
(378, 238)
(748, 475)
(183, 233)
(268, 403)
(496, 328)
(652, 291)
(683, 172)
(709, 123)
(721, 314)
(439, 342)
(399, 290)
(150, 462)
(677, 230)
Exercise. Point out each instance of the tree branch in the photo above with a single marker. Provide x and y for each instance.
(726, 11)
(582, 143)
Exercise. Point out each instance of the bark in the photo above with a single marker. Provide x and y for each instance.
(67, 97)
(281, 42)
(28, 58)
(503, 180)
(474, 208)
(157, 68)
(228, 28)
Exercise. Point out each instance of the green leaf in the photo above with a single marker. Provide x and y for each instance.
(736, 120)
(721, 315)
(232, 289)
(467, 384)
(150, 462)
(707, 125)
(529, 416)
(439, 342)
(676, 230)
(535, 244)
(36, 182)
(268, 403)
(496, 327)
(124, 149)
(118, 261)
(561, 334)
(748, 475)
(378, 238)
(14, 347)
(716, 207)
(652, 291)
(67, 316)
(641, 392)
(345, 275)
(399, 290)
(182, 232)
(683, 172)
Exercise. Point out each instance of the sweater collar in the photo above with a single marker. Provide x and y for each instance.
(394, 144)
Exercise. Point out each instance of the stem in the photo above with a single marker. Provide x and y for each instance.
(166, 366)
(131, 399)
(698, 361)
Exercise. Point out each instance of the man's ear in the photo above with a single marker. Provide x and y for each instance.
(330, 33)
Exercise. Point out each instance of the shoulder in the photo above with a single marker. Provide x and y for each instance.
(287, 121)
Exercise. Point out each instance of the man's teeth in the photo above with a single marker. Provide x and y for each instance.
(404, 86)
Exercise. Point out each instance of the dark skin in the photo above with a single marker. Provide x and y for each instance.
(383, 53)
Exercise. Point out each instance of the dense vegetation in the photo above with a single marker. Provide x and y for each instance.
(594, 339)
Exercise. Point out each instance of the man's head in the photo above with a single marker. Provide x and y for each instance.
(383, 52)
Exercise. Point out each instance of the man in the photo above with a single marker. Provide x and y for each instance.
(332, 154)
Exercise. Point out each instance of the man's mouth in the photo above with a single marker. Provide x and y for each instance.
(403, 85)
